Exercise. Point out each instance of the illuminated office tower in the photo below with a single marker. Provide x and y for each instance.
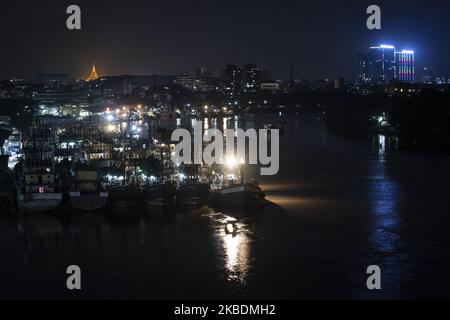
(383, 63)
(405, 70)
(378, 65)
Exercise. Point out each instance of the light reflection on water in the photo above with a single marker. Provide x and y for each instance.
(233, 239)
(347, 207)
(388, 248)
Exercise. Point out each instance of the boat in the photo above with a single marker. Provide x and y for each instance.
(87, 193)
(193, 194)
(159, 194)
(240, 195)
(124, 196)
(37, 187)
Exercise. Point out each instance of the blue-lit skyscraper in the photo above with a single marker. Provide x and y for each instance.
(405, 68)
(382, 64)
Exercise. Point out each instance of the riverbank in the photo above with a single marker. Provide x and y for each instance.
(421, 122)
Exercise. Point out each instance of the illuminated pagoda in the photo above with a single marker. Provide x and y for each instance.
(93, 76)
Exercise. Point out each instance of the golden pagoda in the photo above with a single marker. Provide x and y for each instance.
(93, 76)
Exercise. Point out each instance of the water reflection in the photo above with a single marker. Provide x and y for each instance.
(41, 235)
(384, 144)
(388, 248)
(233, 239)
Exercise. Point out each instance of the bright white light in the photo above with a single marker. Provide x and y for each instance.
(386, 46)
(408, 51)
(109, 117)
(231, 162)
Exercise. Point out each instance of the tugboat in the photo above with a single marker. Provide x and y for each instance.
(240, 195)
(231, 190)
(87, 194)
(37, 186)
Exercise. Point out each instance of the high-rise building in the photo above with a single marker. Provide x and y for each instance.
(231, 80)
(405, 65)
(366, 67)
(429, 75)
(192, 81)
(251, 78)
(382, 64)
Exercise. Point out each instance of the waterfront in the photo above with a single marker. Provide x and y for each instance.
(347, 206)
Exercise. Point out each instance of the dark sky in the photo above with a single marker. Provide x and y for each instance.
(320, 38)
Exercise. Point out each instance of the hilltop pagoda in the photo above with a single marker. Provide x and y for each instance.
(93, 76)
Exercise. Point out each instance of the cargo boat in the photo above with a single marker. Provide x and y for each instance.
(37, 187)
(87, 193)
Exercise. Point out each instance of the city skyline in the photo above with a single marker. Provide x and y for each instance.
(137, 38)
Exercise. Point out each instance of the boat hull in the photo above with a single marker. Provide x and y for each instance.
(240, 196)
(39, 202)
(159, 195)
(193, 195)
(124, 197)
(88, 201)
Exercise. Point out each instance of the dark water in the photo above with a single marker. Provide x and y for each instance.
(347, 205)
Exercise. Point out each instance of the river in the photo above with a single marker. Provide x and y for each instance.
(343, 206)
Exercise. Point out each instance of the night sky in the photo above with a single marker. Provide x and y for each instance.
(320, 38)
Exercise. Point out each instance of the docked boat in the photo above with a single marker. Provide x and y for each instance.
(159, 194)
(87, 193)
(38, 189)
(241, 195)
(124, 196)
(193, 194)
